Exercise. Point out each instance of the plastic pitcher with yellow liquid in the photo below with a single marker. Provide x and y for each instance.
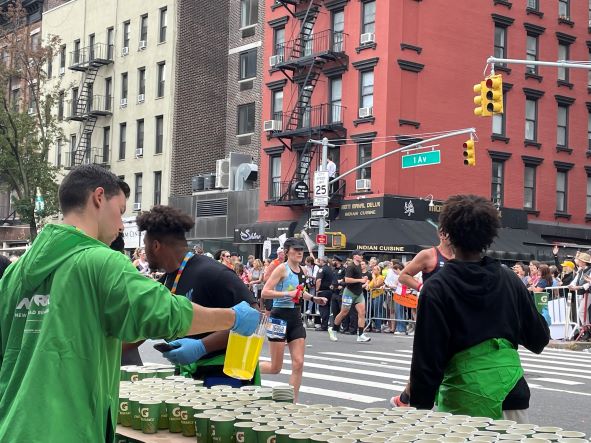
(242, 353)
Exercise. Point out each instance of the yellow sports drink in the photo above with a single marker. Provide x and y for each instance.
(242, 353)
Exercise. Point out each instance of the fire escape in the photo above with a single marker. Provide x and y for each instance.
(302, 61)
(88, 107)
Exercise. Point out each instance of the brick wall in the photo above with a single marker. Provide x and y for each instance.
(199, 128)
(237, 97)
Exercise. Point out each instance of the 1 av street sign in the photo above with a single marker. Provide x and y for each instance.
(421, 159)
(315, 223)
(319, 212)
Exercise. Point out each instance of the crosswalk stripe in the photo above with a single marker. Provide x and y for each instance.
(392, 360)
(544, 388)
(329, 393)
(559, 381)
(353, 381)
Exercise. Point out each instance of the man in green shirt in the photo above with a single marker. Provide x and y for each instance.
(65, 308)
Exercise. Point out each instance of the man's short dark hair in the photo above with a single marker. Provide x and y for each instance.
(165, 222)
(470, 221)
(83, 180)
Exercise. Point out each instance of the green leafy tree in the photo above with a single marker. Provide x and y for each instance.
(28, 127)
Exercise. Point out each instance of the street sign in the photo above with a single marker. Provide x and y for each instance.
(321, 239)
(320, 201)
(319, 212)
(421, 159)
(315, 223)
(321, 184)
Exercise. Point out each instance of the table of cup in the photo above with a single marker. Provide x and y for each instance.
(253, 414)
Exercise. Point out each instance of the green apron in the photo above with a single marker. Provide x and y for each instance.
(218, 360)
(477, 380)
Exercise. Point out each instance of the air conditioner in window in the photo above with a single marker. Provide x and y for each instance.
(62, 71)
(125, 51)
(275, 60)
(365, 112)
(123, 102)
(143, 44)
(137, 206)
(363, 184)
(272, 125)
(368, 37)
(141, 98)
(139, 152)
(222, 173)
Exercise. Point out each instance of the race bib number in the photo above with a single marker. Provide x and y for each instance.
(347, 300)
(276, 328)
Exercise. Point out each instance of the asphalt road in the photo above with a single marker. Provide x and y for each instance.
(359, 375)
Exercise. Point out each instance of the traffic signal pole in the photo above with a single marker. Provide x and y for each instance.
(557, 64)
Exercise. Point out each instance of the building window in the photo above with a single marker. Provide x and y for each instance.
(141, 81)
(336, 99)
(275, 191)
(561, 191)
(140, 136)
(124, 85)
(500, 50)
(106, 143)
(144, 28)
(108, 93)
(563, 54)
(277, 105)
(531, 53)
(369, 17)
(246, 118)
(60, 106)
(366, 92)
(62, 59)
(159, 134)
(157, 187)
(248, 64)
(249, 12)
(163, 25)
(36, 41)
(72, 150)
(562, 126)
(278, 41)
(564, 9)
(138, 188)
(126, 31)
(110, 42)
(122, 140)
(529, 187)
(161, 79)
(533, 4)
(74, 110)
(91, 42)
(338, 29)
(531, 119)
(499, 120)
(363, 156)
(588, 211)
(76, 54)
(58, 153)
(497, 183)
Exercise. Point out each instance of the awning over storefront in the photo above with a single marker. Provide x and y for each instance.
(259, 232)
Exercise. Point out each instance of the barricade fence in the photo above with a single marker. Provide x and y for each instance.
(566, 311)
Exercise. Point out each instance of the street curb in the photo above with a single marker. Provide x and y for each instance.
(569, 345)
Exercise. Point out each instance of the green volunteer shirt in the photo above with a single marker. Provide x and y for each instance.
(65, 307)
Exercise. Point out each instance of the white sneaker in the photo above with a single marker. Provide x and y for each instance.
(363, 338)
(332, 335)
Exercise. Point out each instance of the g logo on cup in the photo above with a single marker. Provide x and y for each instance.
(271, 439)
(184, 415)
(124, 406)
(144, 412)
(240, 437)
(176, 412)
(135, 377)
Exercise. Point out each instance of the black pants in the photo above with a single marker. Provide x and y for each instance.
(325, 310)
(335, 304)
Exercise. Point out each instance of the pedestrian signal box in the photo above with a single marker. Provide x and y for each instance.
(336, 240)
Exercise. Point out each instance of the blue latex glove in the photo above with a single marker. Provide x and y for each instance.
(247, 319)
(189, 351)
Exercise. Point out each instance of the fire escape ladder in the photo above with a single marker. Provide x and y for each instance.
(84, 107)
(301, 110)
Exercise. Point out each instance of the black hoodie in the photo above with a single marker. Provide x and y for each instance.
(463, 305)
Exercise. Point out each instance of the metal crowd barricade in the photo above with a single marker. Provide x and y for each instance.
(566, 310)
(380, 309)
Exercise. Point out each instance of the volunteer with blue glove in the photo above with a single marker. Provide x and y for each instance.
(203, 281)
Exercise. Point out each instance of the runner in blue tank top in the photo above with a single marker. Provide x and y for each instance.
(285, 287)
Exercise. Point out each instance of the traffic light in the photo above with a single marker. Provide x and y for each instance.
(336, 240)
(494, 94)
(480, 100)
(469, 152)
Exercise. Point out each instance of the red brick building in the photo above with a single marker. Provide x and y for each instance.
(373, 75)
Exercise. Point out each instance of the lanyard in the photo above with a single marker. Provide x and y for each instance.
(180, 271)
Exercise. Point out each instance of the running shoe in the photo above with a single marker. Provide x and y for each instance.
(395, 402)
(363, 338)
(332, 335)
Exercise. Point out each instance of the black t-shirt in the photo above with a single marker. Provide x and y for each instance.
(210, 284)
(325, 275)
(354, 271)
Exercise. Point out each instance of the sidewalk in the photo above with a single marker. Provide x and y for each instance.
(569, 345)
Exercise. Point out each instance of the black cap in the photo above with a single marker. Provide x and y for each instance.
(338, 258)
(294, 242)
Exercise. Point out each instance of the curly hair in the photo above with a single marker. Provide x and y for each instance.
(470, 221)
(165, 222)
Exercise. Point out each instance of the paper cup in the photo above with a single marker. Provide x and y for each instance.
(282, 435)
(150, 415)
(124, 410)
(222, 429)
(202, 428)
(134, 406)
(173, 412)
(244, 432)
(571, 434)
(265, 434)
(187, 420)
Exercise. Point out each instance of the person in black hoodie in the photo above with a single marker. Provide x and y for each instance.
(472, 316)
